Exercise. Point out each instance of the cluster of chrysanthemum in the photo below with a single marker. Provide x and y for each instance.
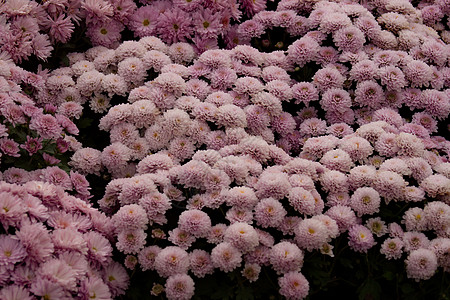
(336, 187)
(229, 102)
(378, 56)
(55, 246)
(39, 136)
(31, 28)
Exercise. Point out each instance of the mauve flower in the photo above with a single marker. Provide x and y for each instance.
(195, 222)
(286, 257)
(46, 126)
(174, 25)
(179, 287)
(117, 279)
(9, 147)
(172, 260)
(93, 287)
(242, 236)
(200, 263)
(421, 264)
(293, 285)
(143, 21)
(360, 238)
(226, 257)
(11, 251)
(392, 248)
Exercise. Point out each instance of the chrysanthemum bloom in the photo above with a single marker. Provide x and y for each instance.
(217, 233)
(327, 78)
(143, 21)
(286, 257)
(440, 246)
(421, 264)
(409, 144)
(195, 222)
(334, 181)
(365, 200)
(304, 92)
(418, 73)
(147, 257)
(130, 216)
(269, 213)
(130, 262)
(301, 200)
(241, 197)
(360, 238)
(293, 285)
(131, 241)
(437, 212)
(414, 240)
(274, 185)
(335, 99)
(179, 286)
(389, 185)
(99, 248)
(13, 209)
(60, 272)
(349, 38)
(436, 103)
(11, 251)
(242, 236)
(94, 286)
(392, 248)
(338, 160)
(415, 219)
(200, 263)
(172, 260)
(343, 215)
(377, 226)
(311, 234)
(226, 257)
(47, 288)
(116, 278)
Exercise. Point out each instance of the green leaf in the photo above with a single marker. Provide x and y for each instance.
(244, 293)
(389, 275)
(370, 289)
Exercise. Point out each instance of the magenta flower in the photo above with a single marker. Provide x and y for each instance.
(32, 145)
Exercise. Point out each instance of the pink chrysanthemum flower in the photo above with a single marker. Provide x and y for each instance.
(11, 251)
(392, 248)
(421, 264)
(349, 38)
(130, 241)
(130, 216)
(327, 78)
(365, 200)
(200, 263)
(143, 21)
(302, 51)
(269, 213)
(195, 222)
(286, 257)
(311, 234)
(179, 287)
(293, 285)
(360, 238)
(174, 25)
(116, 278)
(94, 287)
(226, 257)
(147, 257)
(172, 260)
(302, 200)
(242, 236)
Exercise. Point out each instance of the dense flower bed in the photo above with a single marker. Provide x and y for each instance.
(228, 149)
